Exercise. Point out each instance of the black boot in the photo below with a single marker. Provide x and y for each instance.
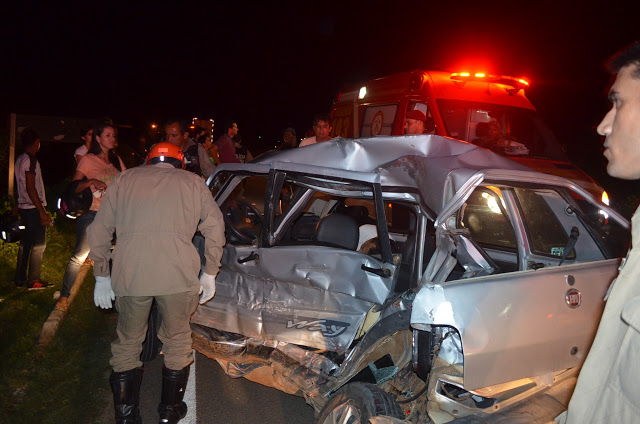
(126, 395)
(172, 409)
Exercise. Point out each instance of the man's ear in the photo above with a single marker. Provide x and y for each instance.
(185, 135)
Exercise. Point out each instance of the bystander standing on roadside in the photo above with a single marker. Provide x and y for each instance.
(289, 137)
(322, 127)
(95, 171)
(196, 158)
(608, 388)
(224, 146)
(198, 132)
(242, 152)
(207, 143)
(31, 205)
(155, 210)
(87, 135)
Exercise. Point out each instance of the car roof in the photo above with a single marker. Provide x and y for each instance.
(431, 164)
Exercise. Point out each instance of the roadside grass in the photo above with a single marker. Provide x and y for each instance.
(66, 381)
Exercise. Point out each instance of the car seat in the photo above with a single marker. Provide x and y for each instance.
(482, 129)
(405, 278)
(338, 230)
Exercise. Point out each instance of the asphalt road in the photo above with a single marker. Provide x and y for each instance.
(218, 398)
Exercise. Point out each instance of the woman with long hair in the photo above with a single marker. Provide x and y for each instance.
(94, 171)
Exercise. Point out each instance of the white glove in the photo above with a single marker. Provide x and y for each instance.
(103, 294)
(207, 287)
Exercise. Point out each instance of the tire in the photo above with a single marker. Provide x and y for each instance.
(152, 345)
(356, 403)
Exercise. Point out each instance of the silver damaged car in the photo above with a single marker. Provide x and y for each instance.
(408, 279)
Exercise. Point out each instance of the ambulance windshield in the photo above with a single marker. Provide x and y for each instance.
(509, 131)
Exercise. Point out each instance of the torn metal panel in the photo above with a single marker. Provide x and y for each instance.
(291, 294)
(472, 258)
(538, 403)
(275, 364)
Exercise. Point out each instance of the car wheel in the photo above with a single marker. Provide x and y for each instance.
(356, 403)
(152, 344)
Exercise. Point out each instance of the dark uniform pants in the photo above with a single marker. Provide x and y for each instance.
(174, 333)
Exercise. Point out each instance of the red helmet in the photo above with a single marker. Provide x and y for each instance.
(166, 152)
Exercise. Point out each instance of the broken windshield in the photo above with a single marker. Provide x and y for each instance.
(509, 131)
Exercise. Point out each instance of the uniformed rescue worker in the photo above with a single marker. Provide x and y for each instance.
(155, 210)
(415, 122)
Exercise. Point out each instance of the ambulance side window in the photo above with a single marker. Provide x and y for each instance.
(423, 107)
(378, 120)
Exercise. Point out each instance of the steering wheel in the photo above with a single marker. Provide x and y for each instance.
(242, 219)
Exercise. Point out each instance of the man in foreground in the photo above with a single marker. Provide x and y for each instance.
(155, 210)
(608, 388)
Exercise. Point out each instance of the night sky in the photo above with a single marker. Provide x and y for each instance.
(270, 65)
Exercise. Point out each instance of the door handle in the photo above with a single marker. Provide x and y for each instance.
(252, 257)
(382, 272)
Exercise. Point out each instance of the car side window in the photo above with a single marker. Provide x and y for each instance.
(243, 210)
(423, 107)
(335, 220)
(547, 235)
(338, 221)
(484, 215)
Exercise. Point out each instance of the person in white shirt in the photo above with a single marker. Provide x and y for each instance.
(81, 151)
(31, 203)
(322, 127)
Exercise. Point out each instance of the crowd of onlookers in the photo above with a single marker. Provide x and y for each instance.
(97, 164)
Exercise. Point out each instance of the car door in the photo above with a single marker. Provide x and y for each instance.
(304, 291)
(516, 320)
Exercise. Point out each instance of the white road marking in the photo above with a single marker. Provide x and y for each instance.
(190, 395)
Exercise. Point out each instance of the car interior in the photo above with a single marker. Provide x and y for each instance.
(334, 215)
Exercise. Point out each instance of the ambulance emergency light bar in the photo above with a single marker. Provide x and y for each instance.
(517, 83)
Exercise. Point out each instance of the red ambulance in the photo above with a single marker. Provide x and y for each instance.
(464, 106)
